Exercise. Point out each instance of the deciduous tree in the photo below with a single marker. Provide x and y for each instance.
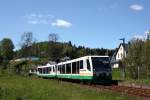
(7, 47)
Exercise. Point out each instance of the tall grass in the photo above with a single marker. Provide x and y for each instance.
(33, 88)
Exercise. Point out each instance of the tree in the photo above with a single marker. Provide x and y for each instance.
(68, 51)
(134, 61)
(54, 49)
(146, 58)
(27, 41)
(53, 37)
(1, 58)
(7, 47)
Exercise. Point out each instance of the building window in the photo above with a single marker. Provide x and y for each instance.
(121, 55)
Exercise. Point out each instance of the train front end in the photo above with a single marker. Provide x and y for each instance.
(101, 68)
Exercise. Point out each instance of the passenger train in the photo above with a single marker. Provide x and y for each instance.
(87, 68)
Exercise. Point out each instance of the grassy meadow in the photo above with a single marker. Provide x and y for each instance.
(32, 88)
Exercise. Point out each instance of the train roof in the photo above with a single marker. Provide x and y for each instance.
(47, 65)
(84, 57)
(69, 61)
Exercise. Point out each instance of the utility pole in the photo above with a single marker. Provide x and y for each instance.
(123, 67)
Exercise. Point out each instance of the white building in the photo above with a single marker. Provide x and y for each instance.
(119, 54)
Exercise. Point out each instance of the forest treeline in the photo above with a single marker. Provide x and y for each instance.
(55, 50)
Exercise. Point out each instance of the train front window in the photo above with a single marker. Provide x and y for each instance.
(100, 63)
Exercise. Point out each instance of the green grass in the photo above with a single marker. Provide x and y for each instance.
(141, 81)
(32, 88)
(116, 74)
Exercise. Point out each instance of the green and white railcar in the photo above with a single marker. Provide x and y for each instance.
(88, 68)
(47, 71)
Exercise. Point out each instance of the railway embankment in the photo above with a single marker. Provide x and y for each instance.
(135, 85)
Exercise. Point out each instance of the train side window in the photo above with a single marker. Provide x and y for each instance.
(49, 69)
(88, 65)
(63, 69)
(74, 67)
(43, 70)
(78, 67)
(46, 70)
(60, 69)
(53, 68)
(60, 66)
(68, 68)
(40, 70)
(81, 64)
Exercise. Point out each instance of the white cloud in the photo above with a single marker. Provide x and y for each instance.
(38, 18)
(147, 32)
(61, 23)
(139, 37)
(136, 7)
(33, 22)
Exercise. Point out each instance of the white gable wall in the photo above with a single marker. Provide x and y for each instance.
(120, 52)
(119, 56)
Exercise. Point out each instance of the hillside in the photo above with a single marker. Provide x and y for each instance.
(56, 50)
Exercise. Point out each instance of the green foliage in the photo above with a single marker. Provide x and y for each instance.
(27, 41)
(146, 58)
(4, 64)
(57, 50)
(6, 49)
(17, 67)
(22, 67)
(138, 60)
(25, 88)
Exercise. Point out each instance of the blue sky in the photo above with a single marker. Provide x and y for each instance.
(91, 23)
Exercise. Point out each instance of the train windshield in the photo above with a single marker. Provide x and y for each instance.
(100, 63)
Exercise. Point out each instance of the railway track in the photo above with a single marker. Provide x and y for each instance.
(140, 92)
(126, 90)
